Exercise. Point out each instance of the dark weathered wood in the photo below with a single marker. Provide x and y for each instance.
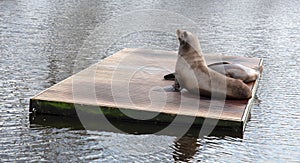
(142, 72)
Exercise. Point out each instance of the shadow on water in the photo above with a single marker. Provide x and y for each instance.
(125, 126)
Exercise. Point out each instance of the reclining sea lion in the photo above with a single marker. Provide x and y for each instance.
(232, 70)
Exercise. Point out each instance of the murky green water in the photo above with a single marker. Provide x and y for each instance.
(43, 42)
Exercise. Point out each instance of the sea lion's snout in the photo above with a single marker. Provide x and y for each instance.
(181, 35)
(178, 32)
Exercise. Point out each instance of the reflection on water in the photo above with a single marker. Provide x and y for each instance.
(185, 148)
(39, 46)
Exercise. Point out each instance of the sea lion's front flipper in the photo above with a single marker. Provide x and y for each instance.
(176, 85)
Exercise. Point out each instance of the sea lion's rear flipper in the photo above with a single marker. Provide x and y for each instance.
(219, 63)
(170, 76)
(259, 68)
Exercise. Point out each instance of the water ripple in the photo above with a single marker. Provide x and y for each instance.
(39, 44)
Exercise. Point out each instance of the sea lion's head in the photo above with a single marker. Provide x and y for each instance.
(188, 42)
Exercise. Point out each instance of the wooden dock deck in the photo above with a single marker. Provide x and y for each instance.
(129, 85)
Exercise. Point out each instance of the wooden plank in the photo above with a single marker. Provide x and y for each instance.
(132, 81)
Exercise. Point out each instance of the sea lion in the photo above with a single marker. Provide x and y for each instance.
(193, 74)
(237, 71)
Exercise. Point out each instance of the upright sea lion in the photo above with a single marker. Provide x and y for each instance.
(193, 74)
(232, 70)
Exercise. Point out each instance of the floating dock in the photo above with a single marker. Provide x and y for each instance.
(129, 86)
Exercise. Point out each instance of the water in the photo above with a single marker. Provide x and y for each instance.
(43, 42)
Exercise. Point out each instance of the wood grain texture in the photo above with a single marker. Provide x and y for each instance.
(133, 79)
